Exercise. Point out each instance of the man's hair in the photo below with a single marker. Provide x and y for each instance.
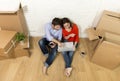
(56, 21)
(66, 20)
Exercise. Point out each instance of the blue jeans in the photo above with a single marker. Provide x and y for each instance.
(68, 56)
(43, 43)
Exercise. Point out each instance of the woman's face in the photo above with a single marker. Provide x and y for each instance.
(66, 25)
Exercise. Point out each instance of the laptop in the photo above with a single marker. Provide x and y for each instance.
(66, 46)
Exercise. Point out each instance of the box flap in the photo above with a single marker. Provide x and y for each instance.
(107, 55)
(111, 37)
(91, 32)
(5, 37)
(110, 22)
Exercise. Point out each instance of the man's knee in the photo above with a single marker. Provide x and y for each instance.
(40, 42)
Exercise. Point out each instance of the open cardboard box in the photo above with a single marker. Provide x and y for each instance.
(109, 22)
(12, 22)
(19, 52)
(107, 53)
(15, 21)
(7, 43)
(9, 47)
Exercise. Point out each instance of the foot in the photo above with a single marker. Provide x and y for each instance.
(44, 70)
(68, 71)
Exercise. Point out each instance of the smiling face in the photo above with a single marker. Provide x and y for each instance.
(56, 27)
(67, 25)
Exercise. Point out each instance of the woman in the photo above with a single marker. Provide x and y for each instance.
(70, 34)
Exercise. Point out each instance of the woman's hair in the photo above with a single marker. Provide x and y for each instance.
(66, 20)
(56, 21)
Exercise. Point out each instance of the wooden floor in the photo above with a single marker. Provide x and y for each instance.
(30, 68)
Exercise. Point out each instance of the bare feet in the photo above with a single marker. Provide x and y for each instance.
(45, 70)
(68, 71)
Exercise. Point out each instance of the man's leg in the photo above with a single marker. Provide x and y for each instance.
(42, 43)
(50, 59)
(51, 56)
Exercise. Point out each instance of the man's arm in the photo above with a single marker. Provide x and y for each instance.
(47, 32)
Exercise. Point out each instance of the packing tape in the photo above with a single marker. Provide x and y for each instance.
(13, 45)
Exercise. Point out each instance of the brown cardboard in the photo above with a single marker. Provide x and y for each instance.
(20, 51)
(15, 21)
(9, 47)
(7, 42)
(92, 34)
(107, 53)
(114, 38)
(109, 22)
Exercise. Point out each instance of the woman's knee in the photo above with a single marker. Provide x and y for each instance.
(64, 53)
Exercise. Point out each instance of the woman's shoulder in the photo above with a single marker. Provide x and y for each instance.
(75, 26)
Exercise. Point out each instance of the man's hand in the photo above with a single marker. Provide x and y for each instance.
(52, 44)
(60, 44)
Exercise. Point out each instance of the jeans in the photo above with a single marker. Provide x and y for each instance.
(43, 43)
(68, 56)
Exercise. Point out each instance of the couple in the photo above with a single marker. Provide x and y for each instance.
(56, 31)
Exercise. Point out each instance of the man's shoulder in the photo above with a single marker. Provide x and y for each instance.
(48, 24)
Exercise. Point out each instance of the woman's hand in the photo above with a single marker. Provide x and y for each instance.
(72, 35)
(74, 47)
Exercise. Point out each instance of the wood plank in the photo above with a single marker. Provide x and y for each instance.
(30, 69)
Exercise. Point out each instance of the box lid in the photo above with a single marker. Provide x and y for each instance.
(110, 22)
(5, 37)
(14, 20)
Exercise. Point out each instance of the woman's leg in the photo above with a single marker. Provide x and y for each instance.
(68, 69)
(66, 59)
(70, 55)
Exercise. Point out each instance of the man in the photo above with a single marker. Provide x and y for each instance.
(51, 40)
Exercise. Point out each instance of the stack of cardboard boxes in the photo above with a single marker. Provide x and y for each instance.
(107, 51)
(11, 23)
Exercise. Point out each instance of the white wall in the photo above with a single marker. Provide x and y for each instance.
(84, 13)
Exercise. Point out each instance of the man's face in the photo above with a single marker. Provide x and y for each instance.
(56, 27)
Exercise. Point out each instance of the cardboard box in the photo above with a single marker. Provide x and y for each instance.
(15, 21)
(107, 53)
(7, 43)
(19, 52)
(109, 22)
(92, 34)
